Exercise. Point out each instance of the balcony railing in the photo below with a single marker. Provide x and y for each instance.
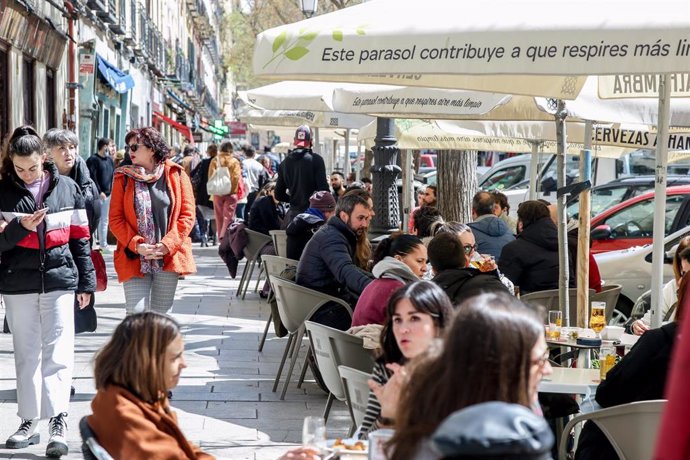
(120, 25)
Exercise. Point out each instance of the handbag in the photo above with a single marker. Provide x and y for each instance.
(241, 189)
(220, 183)
(101, 274)
(85, 319)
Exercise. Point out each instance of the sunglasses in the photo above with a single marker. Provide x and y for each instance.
(133, 147)
(468, 248)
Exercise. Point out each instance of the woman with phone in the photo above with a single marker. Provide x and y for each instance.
(152, 213)
(45, 261)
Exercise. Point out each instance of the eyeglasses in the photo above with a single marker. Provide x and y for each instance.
(133, 147)
(468, 248)
(541, 361)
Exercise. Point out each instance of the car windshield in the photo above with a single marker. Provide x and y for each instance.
(504, 178)
(602, 199)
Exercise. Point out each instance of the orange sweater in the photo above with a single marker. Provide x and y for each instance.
(123, 224)
(129, 428)
(233, 165)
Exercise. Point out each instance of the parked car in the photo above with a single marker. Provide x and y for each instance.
(617, 191)
(632, 269)
(631, 223)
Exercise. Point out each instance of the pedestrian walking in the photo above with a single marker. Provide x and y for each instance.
(45, 261)
(302, 173)
(101, 168)
(255, 174)
(151, 217)
(224, 205)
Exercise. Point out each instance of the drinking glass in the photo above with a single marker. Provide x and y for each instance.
(314, 433)
(598, 320)
(555, 322)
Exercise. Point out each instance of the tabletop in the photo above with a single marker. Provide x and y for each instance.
(570, 380)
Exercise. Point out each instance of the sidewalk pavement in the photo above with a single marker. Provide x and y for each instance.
(224, 400)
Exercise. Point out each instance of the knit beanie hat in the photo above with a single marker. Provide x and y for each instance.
(323, 201)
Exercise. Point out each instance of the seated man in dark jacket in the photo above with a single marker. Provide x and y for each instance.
(267, 212)
(327, 262)
(640, 376)
(452, 273)
(531, 261)
(304, 225)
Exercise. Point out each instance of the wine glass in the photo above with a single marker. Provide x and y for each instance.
(598, 319)
(314, 433)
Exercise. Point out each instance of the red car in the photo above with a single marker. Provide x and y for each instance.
(631, 222)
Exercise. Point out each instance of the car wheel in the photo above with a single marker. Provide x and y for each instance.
(621, 313)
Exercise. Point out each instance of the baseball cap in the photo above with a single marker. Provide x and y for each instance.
(303, 136)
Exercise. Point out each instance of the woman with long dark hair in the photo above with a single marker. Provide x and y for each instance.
(152, 213)
(134, 372)
(46, 260)
(398, 260)
(416, 314)
(493, 351)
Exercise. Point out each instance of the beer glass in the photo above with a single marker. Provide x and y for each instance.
(598, 319)
(555, 322)
(314, 433)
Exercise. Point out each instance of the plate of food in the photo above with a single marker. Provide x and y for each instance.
(349, 446)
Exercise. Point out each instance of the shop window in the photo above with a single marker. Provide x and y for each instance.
(4, 94)
(29, 93)
(51, 116)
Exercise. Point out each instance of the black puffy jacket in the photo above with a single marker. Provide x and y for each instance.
(61, 260)
(463, 283)
(80, 175)
(531, 261)
(300, 231)
(327, 262)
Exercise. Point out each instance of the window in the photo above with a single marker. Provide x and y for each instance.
(549, 178)
(51, 116)
(637, 220)
(28, 87)
(504, 178)
(602, 199)
(4, 94)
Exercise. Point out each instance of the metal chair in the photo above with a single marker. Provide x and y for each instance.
(333, 348)
(90, 448)
(355, 383)
(296, 304)
(609, 294)
(279, 242)
(252, 252)
(273, 266)
(630, 428)
(549, 300)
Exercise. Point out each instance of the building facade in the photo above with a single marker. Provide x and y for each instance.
(103, 67)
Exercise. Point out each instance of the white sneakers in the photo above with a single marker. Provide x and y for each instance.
(57, 429)
(27, 435)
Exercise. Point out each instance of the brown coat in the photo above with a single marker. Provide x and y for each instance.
(123, 224)
(234, 166)
(131, 429)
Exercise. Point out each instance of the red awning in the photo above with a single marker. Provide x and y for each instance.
(185, 130)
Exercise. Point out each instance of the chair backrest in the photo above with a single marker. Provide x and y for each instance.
(356, 391)
(255, 243)
(349, 350)
(319, 336)
(631, 428)
(296, 303)
(549, 300)
(609, 294)
(274, 265)
(90, 448)
(279, 241)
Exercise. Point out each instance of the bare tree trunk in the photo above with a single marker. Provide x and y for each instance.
(457, 184)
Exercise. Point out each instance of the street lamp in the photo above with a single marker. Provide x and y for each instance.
(308, 7)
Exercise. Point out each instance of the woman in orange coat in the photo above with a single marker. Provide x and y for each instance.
(131, 417)
(152, 213)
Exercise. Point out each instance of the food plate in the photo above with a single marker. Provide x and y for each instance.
(347, 446)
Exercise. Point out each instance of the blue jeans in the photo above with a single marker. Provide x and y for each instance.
(103, 224)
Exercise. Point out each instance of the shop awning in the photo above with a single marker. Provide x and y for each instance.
(116, 78)
(179, 100)
(185, 130)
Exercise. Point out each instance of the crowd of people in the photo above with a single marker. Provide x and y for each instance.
(454, 334)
